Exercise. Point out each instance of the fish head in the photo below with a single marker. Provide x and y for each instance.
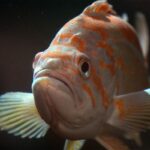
(74, 79)
(63, 92)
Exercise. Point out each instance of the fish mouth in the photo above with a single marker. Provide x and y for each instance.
(59, 77)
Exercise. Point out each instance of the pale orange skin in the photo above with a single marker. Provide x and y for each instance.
(117, 67)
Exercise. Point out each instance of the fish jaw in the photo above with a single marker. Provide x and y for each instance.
(48, 93)
(56, 104)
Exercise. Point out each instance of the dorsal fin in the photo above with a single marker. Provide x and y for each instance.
(143, 33)
(125, 17)
(100, 7)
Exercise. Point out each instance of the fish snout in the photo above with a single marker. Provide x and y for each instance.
(52, 63)
(53, 97)
(46, 66)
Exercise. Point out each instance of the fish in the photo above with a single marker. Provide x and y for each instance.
(90, 83)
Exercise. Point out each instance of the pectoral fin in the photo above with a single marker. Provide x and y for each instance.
(19, 116)
(74, 144)
(131, 113)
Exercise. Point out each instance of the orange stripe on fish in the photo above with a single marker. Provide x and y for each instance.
(57, 54)
(109, 50)
(73, 70)
(60, 38)
(127, 31)
(94, 25)
(123, 110)
(110, 67)
(119, 104)
(70, 39)
(121, 65)
(79, 43)
(130, 36)
(100, 87)
(88, 90)
(94, 53)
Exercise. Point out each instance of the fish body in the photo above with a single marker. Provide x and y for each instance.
(85, 83)
(110, 48)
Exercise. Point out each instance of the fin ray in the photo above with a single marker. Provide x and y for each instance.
(131, 111)
(19, 116)
(74, 144)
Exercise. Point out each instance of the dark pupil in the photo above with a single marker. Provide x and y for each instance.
(85, 67)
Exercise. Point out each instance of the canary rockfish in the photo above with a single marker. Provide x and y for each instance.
(90, 83)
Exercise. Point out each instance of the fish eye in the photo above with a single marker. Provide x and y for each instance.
(85, 68)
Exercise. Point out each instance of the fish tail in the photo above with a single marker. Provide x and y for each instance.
(19, 116)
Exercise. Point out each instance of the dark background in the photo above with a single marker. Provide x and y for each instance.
(27, 27)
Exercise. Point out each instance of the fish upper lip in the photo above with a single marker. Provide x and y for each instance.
(41, 73)
(48, 73)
